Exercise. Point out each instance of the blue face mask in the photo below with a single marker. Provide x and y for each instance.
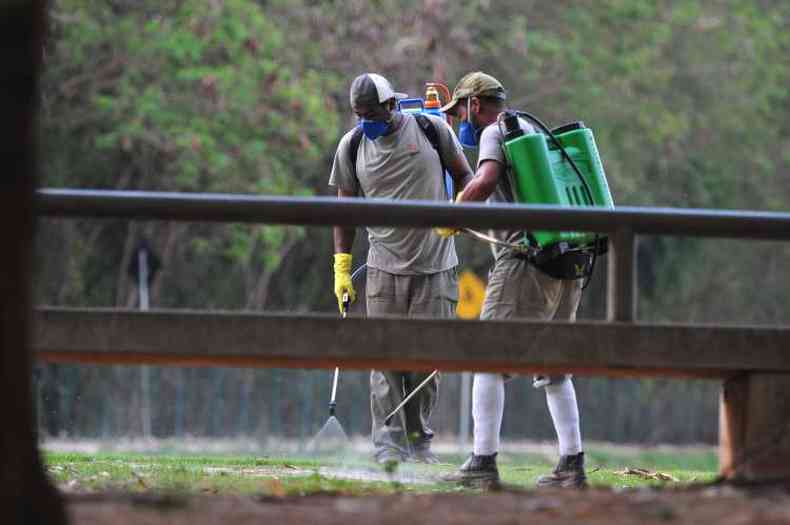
(373, 129)
(467, 133)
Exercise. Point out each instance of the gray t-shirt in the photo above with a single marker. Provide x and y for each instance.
(403, 165)
(492, 148)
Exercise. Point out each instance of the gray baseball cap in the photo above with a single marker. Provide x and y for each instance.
(477, 84)
(370, 89)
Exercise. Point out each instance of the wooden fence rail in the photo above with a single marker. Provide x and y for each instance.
(754, 363)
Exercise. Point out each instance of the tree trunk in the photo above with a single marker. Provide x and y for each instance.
(260, 292)
(175, 232)
(434, 26)
(27, 496)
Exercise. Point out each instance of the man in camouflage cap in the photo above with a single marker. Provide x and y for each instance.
(516, 289)
(477, 84)
(478, 87)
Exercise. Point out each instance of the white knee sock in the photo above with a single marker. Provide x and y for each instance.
(561, 398)
(488, 405)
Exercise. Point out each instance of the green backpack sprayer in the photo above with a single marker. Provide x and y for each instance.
(560, 167)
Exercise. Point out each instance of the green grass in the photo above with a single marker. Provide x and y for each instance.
(280, 476)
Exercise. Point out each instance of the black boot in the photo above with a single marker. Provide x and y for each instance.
(569, 473)
(477, 471)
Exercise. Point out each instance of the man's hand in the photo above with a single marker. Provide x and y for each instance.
(343, 283)
(445, 232)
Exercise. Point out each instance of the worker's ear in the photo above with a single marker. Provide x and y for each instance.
(474, 105)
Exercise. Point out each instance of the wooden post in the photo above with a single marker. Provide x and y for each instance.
(26, 496)
(755, 427)
(621, 277)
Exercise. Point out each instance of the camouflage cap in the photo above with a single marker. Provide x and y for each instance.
(477, 84)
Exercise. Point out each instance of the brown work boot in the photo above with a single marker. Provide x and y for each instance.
(569, 473)
(477, 471)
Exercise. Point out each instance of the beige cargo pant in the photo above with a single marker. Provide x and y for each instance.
(518, 290)
(429, 295)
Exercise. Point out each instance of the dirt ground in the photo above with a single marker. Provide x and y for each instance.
(713, 504)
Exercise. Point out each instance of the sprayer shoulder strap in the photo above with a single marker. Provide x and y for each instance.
(425, 125)
(432, 135)
(509, 192)
(353, 149)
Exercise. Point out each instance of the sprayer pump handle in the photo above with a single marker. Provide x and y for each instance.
(512, 126)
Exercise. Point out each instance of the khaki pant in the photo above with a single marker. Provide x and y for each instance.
(429, 295)
(518, 290)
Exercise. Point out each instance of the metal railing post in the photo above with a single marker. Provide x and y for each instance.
(621, 277)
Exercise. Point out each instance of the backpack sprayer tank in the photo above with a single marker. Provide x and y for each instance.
(542, 174)
(430, 106)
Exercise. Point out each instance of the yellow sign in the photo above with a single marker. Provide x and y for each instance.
(471, 292)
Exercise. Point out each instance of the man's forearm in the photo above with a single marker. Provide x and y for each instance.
(344, 239)
(484, 183)
(476, 191)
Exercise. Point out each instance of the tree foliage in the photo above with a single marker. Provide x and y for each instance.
(202, 97)
(688, 101)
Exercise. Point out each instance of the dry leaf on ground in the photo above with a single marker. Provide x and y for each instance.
(646, 474)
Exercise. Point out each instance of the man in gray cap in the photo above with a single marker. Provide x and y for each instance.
(395, 155)
(516, 289)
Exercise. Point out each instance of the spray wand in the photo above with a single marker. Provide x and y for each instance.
(332, 402)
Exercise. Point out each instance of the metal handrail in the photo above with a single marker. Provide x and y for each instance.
(327, 211)
(623, 224)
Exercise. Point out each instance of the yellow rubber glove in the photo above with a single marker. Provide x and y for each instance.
(445, 232)
(343, 283)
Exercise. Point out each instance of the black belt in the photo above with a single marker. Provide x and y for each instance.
(563, 261)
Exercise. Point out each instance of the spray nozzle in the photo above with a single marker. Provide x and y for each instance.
(432, 97)
(512, 126)
(434, 91)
